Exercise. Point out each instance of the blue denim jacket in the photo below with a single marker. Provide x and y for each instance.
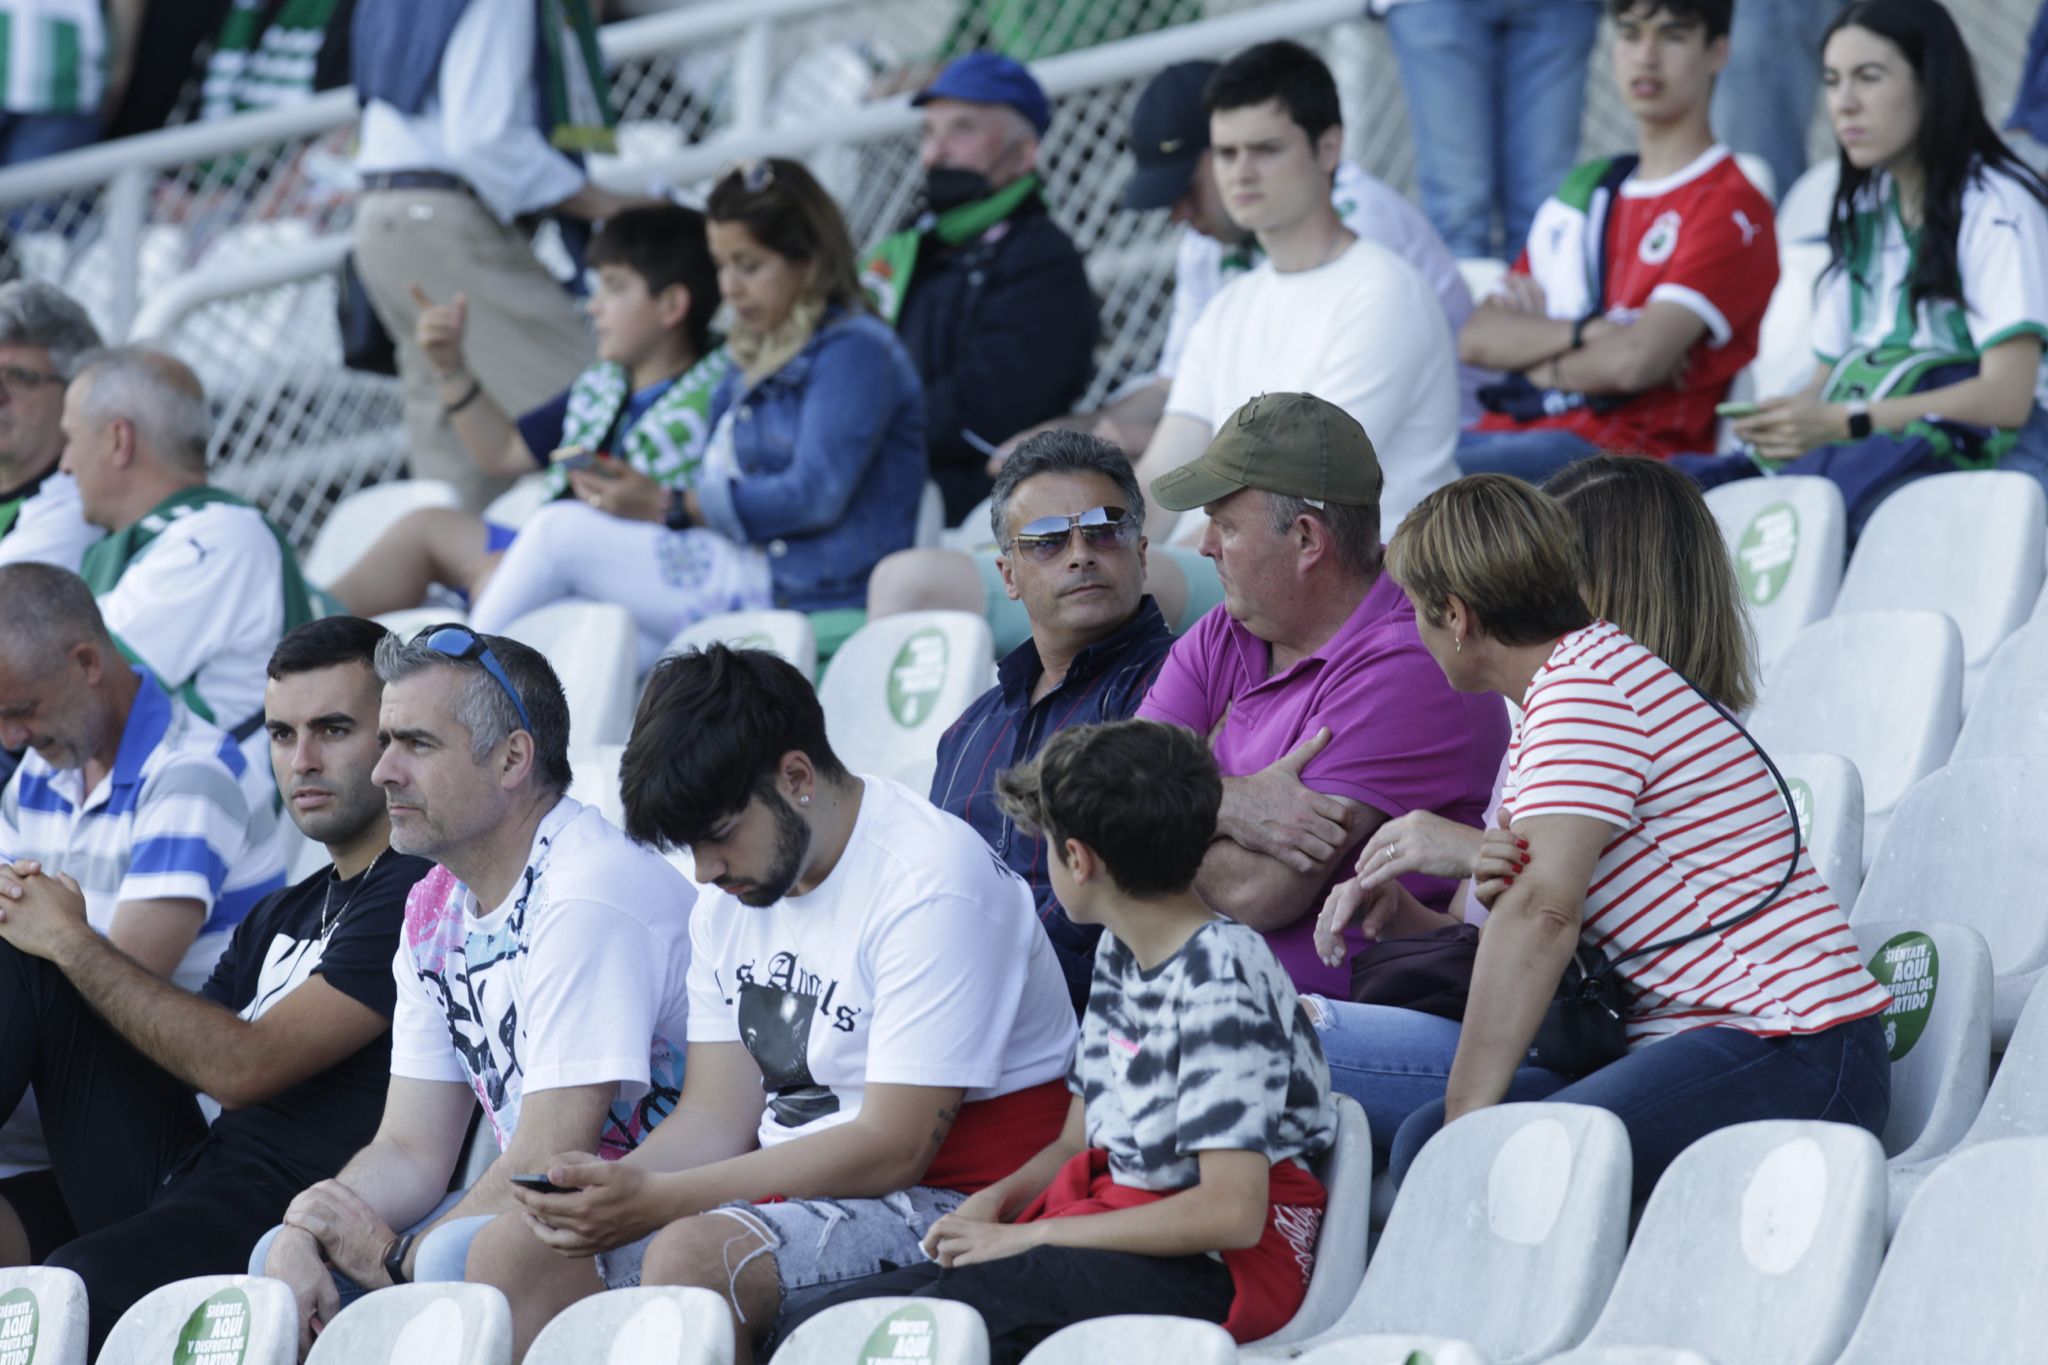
(831, 457)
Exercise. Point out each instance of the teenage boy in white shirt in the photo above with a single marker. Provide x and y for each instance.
(878, 1026)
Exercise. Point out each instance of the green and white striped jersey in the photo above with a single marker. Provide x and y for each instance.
(2001, 254)
(252, 69)
(53, 56)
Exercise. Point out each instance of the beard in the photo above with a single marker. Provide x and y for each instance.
(792, 846)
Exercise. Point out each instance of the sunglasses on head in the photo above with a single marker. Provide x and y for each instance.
(1103, 528)
(462, 644)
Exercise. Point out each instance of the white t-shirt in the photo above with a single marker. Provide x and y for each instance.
(2001, 255)
(1370, 208)
(50, 528)
(579, 977)
(1363, 332)
(918, 961)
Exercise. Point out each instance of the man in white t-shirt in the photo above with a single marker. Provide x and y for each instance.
(43, 333)
(878, 1026)
(542, 973)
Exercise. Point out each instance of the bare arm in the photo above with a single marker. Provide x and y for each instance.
(1645, 353)
(1500, 337)
(487, 433)
(1265, 893)
(1178, 440)
(157, 933)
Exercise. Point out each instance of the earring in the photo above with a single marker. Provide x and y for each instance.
(1460, 647)
(804, 800)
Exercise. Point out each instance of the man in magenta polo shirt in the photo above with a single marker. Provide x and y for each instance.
(1327, 715)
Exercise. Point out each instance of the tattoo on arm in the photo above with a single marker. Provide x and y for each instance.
(943, 1125)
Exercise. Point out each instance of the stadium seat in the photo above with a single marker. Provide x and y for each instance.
(1966, 847)
(931, 517)
(1938, 1027)
(243, 1318)
(1829, 793)
(2016, 1105)
(1881, 688)
(1346, 1173)
(596, 781)
(1133, 1337)
(1962, 1282)
(1759, 173)
(1803, 212)
(787, 633)
(1786, 537)
(2009, 714)
(405, 624)
(897, 683)
(42, 1316)
(1990, 525)
(1635, 1355)
(1507, 1233)
(412, 1324)
(360, 518)
(1391, 1349)
(1784, 351)
(651, 1325)
(1784, 1219)
(932, 1331)
(595, 650)
(519, 502)
(1482, 275)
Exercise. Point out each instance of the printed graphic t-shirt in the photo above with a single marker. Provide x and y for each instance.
(578, 977)
(918, 961)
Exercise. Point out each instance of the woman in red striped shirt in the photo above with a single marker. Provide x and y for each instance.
(1648, 817)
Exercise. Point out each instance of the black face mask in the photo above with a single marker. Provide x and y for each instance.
(948, 187)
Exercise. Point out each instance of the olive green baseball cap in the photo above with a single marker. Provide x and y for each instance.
(1295, 444)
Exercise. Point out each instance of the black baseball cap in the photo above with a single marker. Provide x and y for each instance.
(1169, 133)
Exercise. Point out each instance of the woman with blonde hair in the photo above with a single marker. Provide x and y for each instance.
(1664, 861)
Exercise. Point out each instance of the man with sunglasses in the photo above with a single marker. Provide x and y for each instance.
(541, 973)
(1070, 521)
(43, 333)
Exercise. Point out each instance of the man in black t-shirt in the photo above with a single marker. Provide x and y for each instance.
(291, 1034)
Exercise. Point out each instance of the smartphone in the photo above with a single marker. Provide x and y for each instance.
(583, 458)
(1735, 410)
(540, 1184)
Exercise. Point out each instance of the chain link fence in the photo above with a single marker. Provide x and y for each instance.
(297, 430)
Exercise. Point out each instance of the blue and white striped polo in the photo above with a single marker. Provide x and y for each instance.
(178, 818)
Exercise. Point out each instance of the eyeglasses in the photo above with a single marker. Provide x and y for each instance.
(1101, 528)
(463, 645)
(13, 377)
(756, 173)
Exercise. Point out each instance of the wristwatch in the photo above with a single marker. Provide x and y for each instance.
(1859, 419)
(678, 517)
(394, 1257)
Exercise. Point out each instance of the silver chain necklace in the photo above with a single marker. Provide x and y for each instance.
(328, 917)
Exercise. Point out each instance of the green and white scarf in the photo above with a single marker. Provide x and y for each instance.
(667, 443)
(886, 276)
(576, 94)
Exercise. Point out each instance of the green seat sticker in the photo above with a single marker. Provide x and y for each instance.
(1763, 560)
(1908, 966)
(909, 1333)
(217, 1332)
(20, 1322)
(916, 677)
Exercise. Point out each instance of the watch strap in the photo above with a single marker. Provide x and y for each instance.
(1859, 420)
(394, 1258)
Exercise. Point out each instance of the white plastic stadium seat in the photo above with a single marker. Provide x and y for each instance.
(596, 781)
(413, 1324)
(1786, 536)
(1759, 173)
(1969, 544)
(1507, 1233)
(1783, 1219)
(1784, 349)
(225, 1311)
(407, 623)
(2009, 714)
(1966, 847)
(42, 1316)
(1396, 1349)
(1632, 1355)
(1829, 793)
(1482, 275)
(897, 683)
(2016, 1105)
(519, 502)
(1346, 1173)
(1133, 1337)
(595, 650)
(931, 517)
(1939, 1030)
(360, 518)
(932, 1331)
(1962, 1282)
(1803, 212)
(787, 633)
(1884, 689)
(650, 1325)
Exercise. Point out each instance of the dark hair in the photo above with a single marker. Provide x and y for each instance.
(1712, 15)
(1281, 70)
(1062, 452)
(326, 643)
(664, 244)
(711, 730)
(789, 212)
(1142, 794)
(1354, 528)
(1955, 146)
(483, 708)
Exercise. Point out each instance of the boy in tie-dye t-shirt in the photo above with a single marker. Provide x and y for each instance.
(1181, 1183)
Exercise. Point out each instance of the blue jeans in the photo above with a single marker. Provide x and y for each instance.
(1481, 158)
(1396, 1061)
(1763, 100)
(1671, 1093)
(1532, 455)
(31, 137)
(443, 1256)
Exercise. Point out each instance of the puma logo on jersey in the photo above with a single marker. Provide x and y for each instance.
(1748, 229)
